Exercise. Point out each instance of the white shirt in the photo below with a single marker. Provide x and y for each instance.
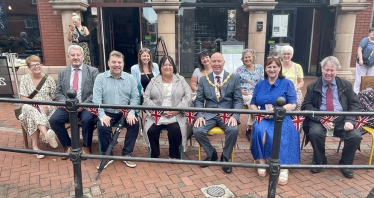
(79, 91)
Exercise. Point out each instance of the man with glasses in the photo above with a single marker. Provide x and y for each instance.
(81, 78)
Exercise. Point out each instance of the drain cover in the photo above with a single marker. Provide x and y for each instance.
(216, 191)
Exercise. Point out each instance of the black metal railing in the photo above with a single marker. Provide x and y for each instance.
(274, 166)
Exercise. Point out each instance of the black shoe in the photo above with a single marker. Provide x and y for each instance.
(248, 134)
(348, 173)
(226, 169)
(214, 157)
(317, 170)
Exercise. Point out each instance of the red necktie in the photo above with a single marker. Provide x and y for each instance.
(329, 101)
(75, 80)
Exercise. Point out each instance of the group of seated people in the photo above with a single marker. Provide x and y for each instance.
(252, 85)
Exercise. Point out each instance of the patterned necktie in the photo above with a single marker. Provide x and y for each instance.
(219, 87)
(329, 101)
(75, 80)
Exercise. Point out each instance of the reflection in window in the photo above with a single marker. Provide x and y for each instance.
(120, 1)
(149, 29)
(203, 28)
(19, 31)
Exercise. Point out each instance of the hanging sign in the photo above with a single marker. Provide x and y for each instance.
(3, 18)
(231, 24)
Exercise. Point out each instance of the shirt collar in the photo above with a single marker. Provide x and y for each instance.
(108, 74)
(276, 83)
(220, 75)
(324, 83)
(73, 68)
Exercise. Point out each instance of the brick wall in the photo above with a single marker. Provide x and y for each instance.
(51, 34)
(363, 20)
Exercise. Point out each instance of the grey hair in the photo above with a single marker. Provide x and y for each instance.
(287, 48)
(75, 47)
(23, 34)
(331, 59)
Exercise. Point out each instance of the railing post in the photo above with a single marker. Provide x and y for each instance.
(279, 114)
(75, 155)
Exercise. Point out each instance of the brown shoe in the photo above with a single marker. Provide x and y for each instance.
(66, 150)
(85, 151)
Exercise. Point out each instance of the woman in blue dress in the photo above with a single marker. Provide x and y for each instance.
(264, 95)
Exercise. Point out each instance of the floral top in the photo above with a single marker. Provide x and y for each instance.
(249, 79)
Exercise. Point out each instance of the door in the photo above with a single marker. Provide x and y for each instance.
(121, 32)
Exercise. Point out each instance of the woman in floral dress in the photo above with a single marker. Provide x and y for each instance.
(79, 35)
(34, 118)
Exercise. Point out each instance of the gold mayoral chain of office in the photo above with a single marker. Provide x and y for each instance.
(218, 94)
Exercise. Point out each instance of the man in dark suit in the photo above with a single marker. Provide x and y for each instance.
(218, 89)
(81, 78)
(331, 93)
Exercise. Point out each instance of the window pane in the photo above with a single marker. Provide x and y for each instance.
(119, 1)
(149, 29)
(20, 28)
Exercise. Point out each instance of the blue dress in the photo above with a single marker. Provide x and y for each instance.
(265, 93)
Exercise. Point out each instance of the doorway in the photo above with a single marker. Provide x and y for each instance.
(121, 32)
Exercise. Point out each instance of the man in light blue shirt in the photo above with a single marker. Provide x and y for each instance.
(117, 88)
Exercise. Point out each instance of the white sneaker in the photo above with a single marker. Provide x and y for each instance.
(51, 138)
(130, 164)
(106, 165)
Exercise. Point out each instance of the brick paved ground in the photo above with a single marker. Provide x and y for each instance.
(22, 175)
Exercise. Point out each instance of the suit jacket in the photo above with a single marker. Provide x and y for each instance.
(88, 78)
(347, 98)
(181, 94)
(231, 96)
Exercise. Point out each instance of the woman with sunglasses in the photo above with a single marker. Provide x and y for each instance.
(249, 75)
(144, 71)
(266, 91)
(34, 118)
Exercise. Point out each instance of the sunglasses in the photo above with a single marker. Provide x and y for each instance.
(249, 50)
(144, 50)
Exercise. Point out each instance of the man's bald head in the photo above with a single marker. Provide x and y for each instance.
(217, 62)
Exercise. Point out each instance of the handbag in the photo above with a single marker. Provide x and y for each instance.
(299, 94)
(365, 60)
(18, 111)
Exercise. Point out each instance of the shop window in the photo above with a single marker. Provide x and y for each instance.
(203, 29)
(19, 28)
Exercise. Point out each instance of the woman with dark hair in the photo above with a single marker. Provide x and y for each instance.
(365, 59)
(266, 91)
(145, 70)
(167, 89)
(204, 68)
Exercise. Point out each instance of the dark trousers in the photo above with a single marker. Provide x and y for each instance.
(317, 137)
(231, 135)
(105, 134)
(174, 136)
(61, 116)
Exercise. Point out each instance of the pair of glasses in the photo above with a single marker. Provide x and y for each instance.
(287, 54)
(270, 57)
(249, 50)
(36, 65)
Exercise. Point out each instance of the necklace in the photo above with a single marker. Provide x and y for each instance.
(166, 88)
(218, 84)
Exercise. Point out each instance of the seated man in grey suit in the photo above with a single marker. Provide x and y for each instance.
(117, 88)
(218, 89)
(81, 78)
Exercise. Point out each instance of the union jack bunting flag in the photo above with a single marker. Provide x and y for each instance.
(92, 110)
(124, 111)
(36, 106)
(298, 121)
(156, 115)
(190, 116)
(225, 117)
(328, 119)
(258, 117)
(362, 121)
